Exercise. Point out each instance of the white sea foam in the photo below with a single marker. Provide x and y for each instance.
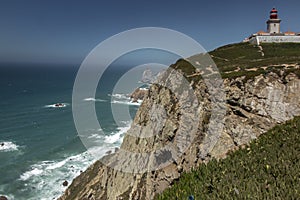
(93, 99)
(45, 179)
(92, 134)
(124, 99)
(56, 165)
(117, 136)
(33, 172)
(145, 89)
(95, 136)
(120, 96)
(8, 146)
(57, 105)
(128, 102)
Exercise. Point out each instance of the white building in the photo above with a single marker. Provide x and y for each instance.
(273, 34)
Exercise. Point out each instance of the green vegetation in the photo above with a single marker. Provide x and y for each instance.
(183, 65)
(246, 55)
(235, 60)
(245, 59)
(269, 168)
(234, 56)
(250, 74)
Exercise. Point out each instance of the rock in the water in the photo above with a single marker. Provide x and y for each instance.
(138, 94)
(3, 198)
(108, 152)
(116, 149)
(65, 183)
(148, 76)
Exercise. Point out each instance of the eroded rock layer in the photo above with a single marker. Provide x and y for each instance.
(178, 119)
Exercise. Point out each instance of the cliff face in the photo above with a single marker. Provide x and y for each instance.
(253, 106)
(138, 94)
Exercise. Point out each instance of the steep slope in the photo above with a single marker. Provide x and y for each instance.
(268, 168)
(256, 99)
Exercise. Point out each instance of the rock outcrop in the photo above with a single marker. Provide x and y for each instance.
(3, 198)
(252, 106)
(138, 94)
(65, 183)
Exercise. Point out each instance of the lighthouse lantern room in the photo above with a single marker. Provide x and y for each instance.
(273, 22)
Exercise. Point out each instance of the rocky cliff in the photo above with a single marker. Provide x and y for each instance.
(138, 94)
(252, 105)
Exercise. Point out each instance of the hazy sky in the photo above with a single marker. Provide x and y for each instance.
(64, 32)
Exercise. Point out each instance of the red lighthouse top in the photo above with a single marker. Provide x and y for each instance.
(273, 14)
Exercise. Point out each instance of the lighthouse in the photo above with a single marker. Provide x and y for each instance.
(273, 34)
(273, 22)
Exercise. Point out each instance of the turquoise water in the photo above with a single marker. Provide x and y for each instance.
(39, 145)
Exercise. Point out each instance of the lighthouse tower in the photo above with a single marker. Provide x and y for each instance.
(273, 22)
(273, 35)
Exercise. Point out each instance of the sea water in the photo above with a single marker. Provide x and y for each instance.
(39, 145)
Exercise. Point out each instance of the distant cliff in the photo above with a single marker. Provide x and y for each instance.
(260, 92)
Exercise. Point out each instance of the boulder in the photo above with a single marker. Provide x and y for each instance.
(3, 198)
(138, 94)
(65, 183)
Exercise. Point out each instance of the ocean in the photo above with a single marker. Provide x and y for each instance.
(39, 144)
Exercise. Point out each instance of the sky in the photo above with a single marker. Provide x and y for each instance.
(56, 32)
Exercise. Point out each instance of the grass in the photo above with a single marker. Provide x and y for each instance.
(246, 55)
(235, 60)
(269, 168)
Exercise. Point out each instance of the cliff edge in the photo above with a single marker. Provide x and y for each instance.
(260, 92)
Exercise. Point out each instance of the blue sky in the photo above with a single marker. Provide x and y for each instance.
(64, 32)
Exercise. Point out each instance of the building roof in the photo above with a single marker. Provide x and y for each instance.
(289, 33)
(262, 33)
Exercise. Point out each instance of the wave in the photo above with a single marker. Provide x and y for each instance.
(95, 100)
(144, 89)
(45, 179)
(117, 137)
(57, 105)
(95, 136)
(119, 96)
(8, 146)
(124, 99)
(34, 172)
(128, 102)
